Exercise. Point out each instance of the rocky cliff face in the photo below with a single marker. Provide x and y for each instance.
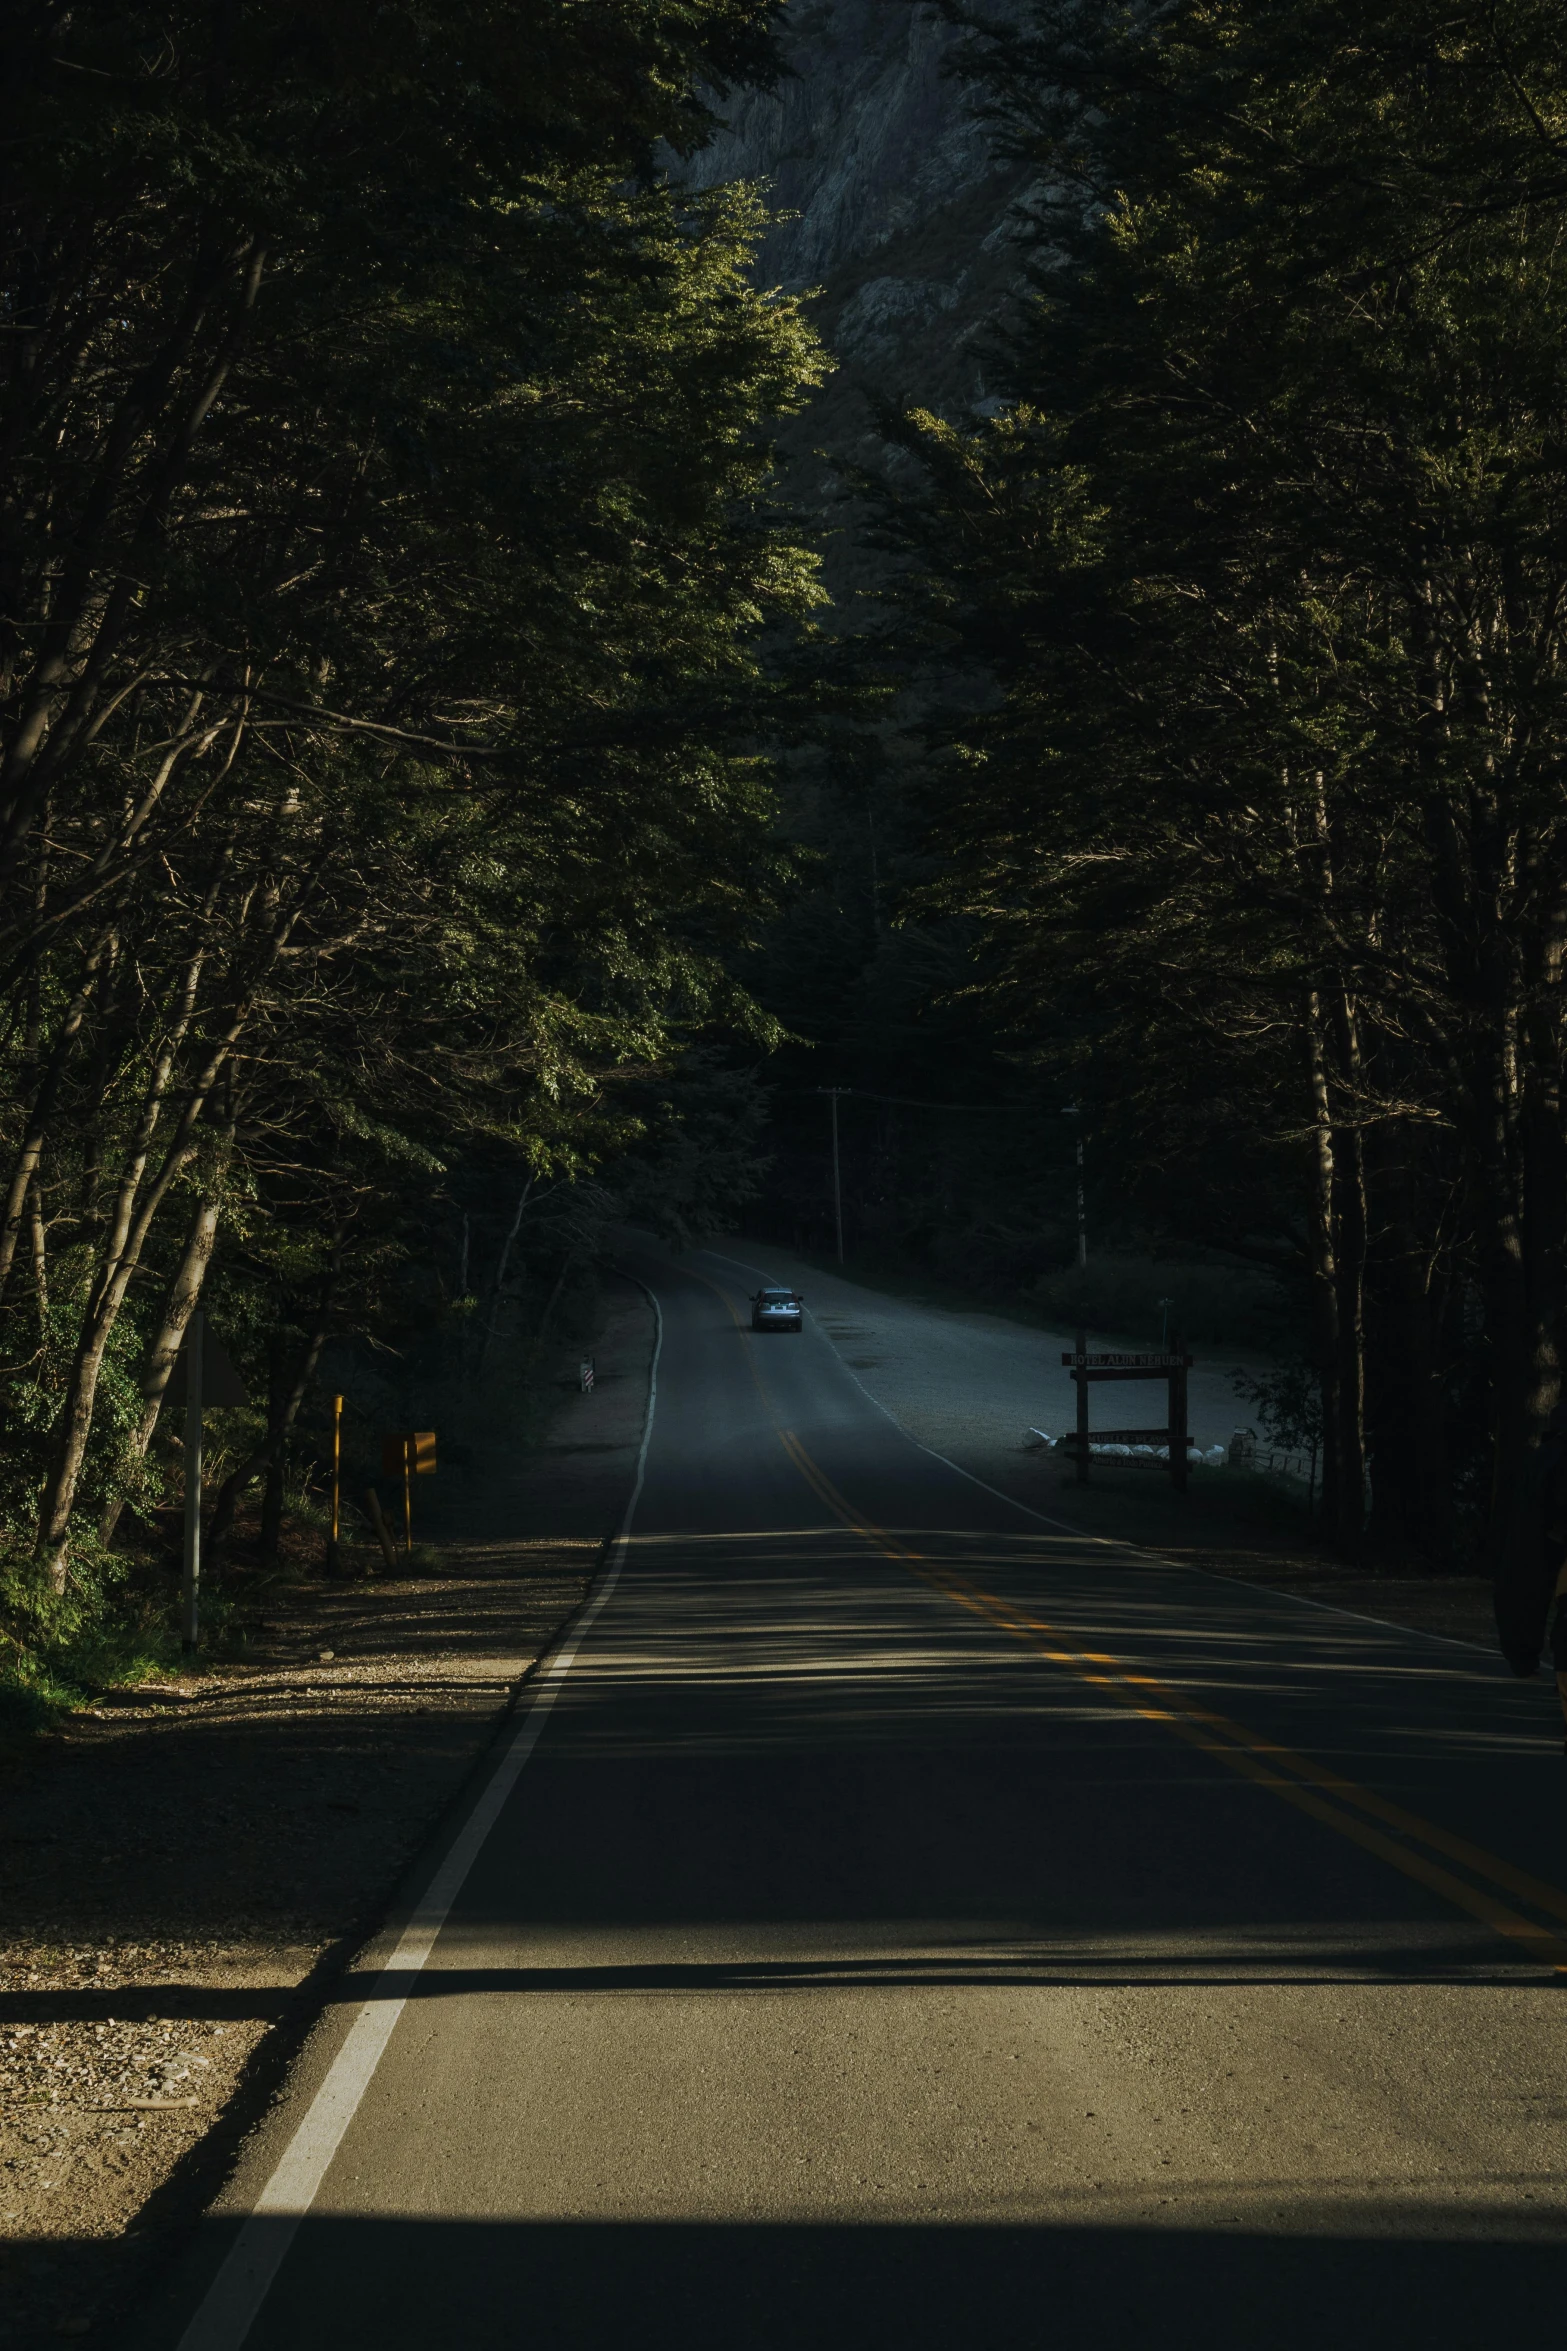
(899, 209)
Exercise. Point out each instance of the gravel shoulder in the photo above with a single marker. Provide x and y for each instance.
(183, 1871)
(971, 1385)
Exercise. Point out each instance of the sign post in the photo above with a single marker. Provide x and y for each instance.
(411, 1452)
(337, 1480)
(1170, 1365)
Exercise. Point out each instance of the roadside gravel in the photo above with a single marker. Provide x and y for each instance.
(182, 1871)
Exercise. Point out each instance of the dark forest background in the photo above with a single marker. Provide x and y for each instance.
(459, 790)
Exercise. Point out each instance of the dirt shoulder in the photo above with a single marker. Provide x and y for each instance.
(970, 1385)
(183, 1872)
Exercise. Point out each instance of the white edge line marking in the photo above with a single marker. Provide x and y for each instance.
(1112, 1542)
(232, 2302)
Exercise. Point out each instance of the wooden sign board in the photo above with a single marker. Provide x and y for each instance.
(1124, 1437)
(1171, 1364)
(1155, 1365)
(410, 1449)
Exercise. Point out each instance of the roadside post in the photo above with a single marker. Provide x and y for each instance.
(1075, 1110)
(1170, 1365)
(411, 1452)
(337, 1481)
(832, 1093)
(210, 1383)
(1080, 1342)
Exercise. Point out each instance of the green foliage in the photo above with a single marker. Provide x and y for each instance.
(57, 1650)
(1287, 1399)
(699, 1160)
(390, 550)
(1254, 594)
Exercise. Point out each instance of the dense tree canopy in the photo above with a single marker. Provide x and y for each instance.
(1265, 556)
(387, 544)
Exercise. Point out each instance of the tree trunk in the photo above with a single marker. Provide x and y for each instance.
(40, 1261)
(1522, 1376)
(135, 1209)
(181, 1301)
(1326, 1350)
(1411, 1471)
(30, 1151)
(272, 1505)
(285, 1396)
(280, 1419)
(1349, 1163)
(499, 1283)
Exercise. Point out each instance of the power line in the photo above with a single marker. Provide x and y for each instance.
(911, 1102)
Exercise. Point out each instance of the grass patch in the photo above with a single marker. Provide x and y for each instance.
(58, 1650)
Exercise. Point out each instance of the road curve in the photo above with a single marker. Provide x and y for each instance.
(917, 1924)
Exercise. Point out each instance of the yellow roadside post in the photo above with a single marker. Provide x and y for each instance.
(421, 1460)
(337, 1481)
(413, 1453)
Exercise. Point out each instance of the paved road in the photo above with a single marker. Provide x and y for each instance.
(918, 1925)
(985, 1382)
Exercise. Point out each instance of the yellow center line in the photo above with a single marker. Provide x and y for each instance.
(1241, 1750)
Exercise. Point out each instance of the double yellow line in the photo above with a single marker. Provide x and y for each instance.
(1373, 1822)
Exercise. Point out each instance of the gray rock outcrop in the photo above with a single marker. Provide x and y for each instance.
(894, 209)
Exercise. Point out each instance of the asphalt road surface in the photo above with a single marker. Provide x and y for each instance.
(917, 1924)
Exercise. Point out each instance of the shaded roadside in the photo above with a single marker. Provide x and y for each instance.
(184, 1871)
(970, 1385)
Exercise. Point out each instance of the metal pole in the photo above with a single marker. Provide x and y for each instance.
(337, 1460)
(190, 1581)
(837, 1185)
(1178, 1414)
(1082, 1216)
(408, 1495)
(1081, 1339)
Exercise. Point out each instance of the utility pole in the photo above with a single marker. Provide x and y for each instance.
(337, 1481)
(832, 1093)
(1082, 1213)
(1071, 1110)
(190, 1580)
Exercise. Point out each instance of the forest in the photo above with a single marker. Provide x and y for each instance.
(444, 807)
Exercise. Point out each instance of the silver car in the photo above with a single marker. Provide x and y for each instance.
(776, 1310)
